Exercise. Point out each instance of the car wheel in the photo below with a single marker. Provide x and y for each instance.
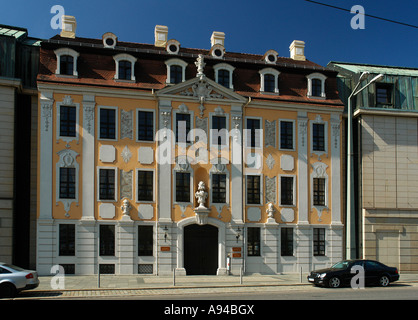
(384, 281)
(7, 290)
(334, 282)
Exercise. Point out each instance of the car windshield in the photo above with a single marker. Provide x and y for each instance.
(10, 266)
(341, 265)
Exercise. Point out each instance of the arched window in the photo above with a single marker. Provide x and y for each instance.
(66, 62)
(125, 66)
(269, 80)
(223, 74)
(316, 86)
(176, 70)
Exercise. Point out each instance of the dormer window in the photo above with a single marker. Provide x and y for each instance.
(125, 66)
(316, 86)
(176, 70)
(223, 75)
(66, 62)
(269, 80)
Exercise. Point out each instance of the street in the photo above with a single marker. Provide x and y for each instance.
(396, 291)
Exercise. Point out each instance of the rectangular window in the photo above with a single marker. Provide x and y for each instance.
(125, 70)
(218, 188)
(182, 127)
(145, 125)
(68, 121)
(66, 65)
(107, 123)
(269, 83)
(319, 191)
(316, 87)
(219, 136)
(145, 240)
(67, 183)
(145, 185)
(253, 189)
(286, 191)
(107, 240)
(287, 241)
(319, 241)
(67, 239)
(182, 187)
(253, 247)
(106, 184)
(253, 129)
(223, 77)
(286, 135)
(176, 74)
(318, 137)
(383, 93)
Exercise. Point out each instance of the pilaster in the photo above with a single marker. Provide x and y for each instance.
(303, 194)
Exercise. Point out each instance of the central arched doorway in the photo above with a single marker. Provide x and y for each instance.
(200, 249)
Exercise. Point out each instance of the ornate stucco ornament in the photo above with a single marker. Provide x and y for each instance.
(201, 211)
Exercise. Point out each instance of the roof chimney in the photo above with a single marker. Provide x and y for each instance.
(68, 27)
(161, 34)
(217, 38)
(297, 50)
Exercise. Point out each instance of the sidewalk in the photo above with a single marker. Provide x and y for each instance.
(73, 282)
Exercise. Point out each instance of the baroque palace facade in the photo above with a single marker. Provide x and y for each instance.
(155, 157)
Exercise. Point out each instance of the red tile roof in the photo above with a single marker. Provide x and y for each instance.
(96, 67)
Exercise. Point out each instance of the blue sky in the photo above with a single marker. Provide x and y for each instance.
(250, 26)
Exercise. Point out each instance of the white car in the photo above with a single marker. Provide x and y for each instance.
(14, 279)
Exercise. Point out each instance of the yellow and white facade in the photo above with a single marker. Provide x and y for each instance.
(115, 196)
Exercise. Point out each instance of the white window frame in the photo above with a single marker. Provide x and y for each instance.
(183, 109)
(116, 123)
(153, 125)
(224, 66)
(172, 62)
(68, 159)
(219, 167)
(247, 138)
(319, 120)
(321, 77)
(125, 57)
(63, 52)
(116, 184)
(136, 185)
(67, 102)
(261, 190)
(279, 188)
(184, 167)
(293, 134)
(273, 72)
(319, 171)
(219, 112)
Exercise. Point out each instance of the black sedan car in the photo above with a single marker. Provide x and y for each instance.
(341, 273)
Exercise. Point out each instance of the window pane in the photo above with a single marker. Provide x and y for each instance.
(66, 65)
(145, 240)
(66, 239)
(253, 189)
(182, 187)
(107, 123)
(145, 185)
(145, 125)
(269, 83)
(107, 240)
(223, 77)
(316, 87)
(176, 74)
(182, 121)
(286, 135)
(107, 184)
(287, 241)
(67, 183)
(318, 138)
(67, 121)
(253, 129)
(219, 188)
(253, 247)
(319, 241)
(286, 190)
(319, 191)
(125, 70)
(219, 133)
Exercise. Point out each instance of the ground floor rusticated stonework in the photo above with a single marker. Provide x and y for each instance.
(215, 248)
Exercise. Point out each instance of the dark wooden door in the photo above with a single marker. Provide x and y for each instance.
(200, 249)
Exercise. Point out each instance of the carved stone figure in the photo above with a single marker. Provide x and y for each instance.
(201, 195)
(126, 207)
